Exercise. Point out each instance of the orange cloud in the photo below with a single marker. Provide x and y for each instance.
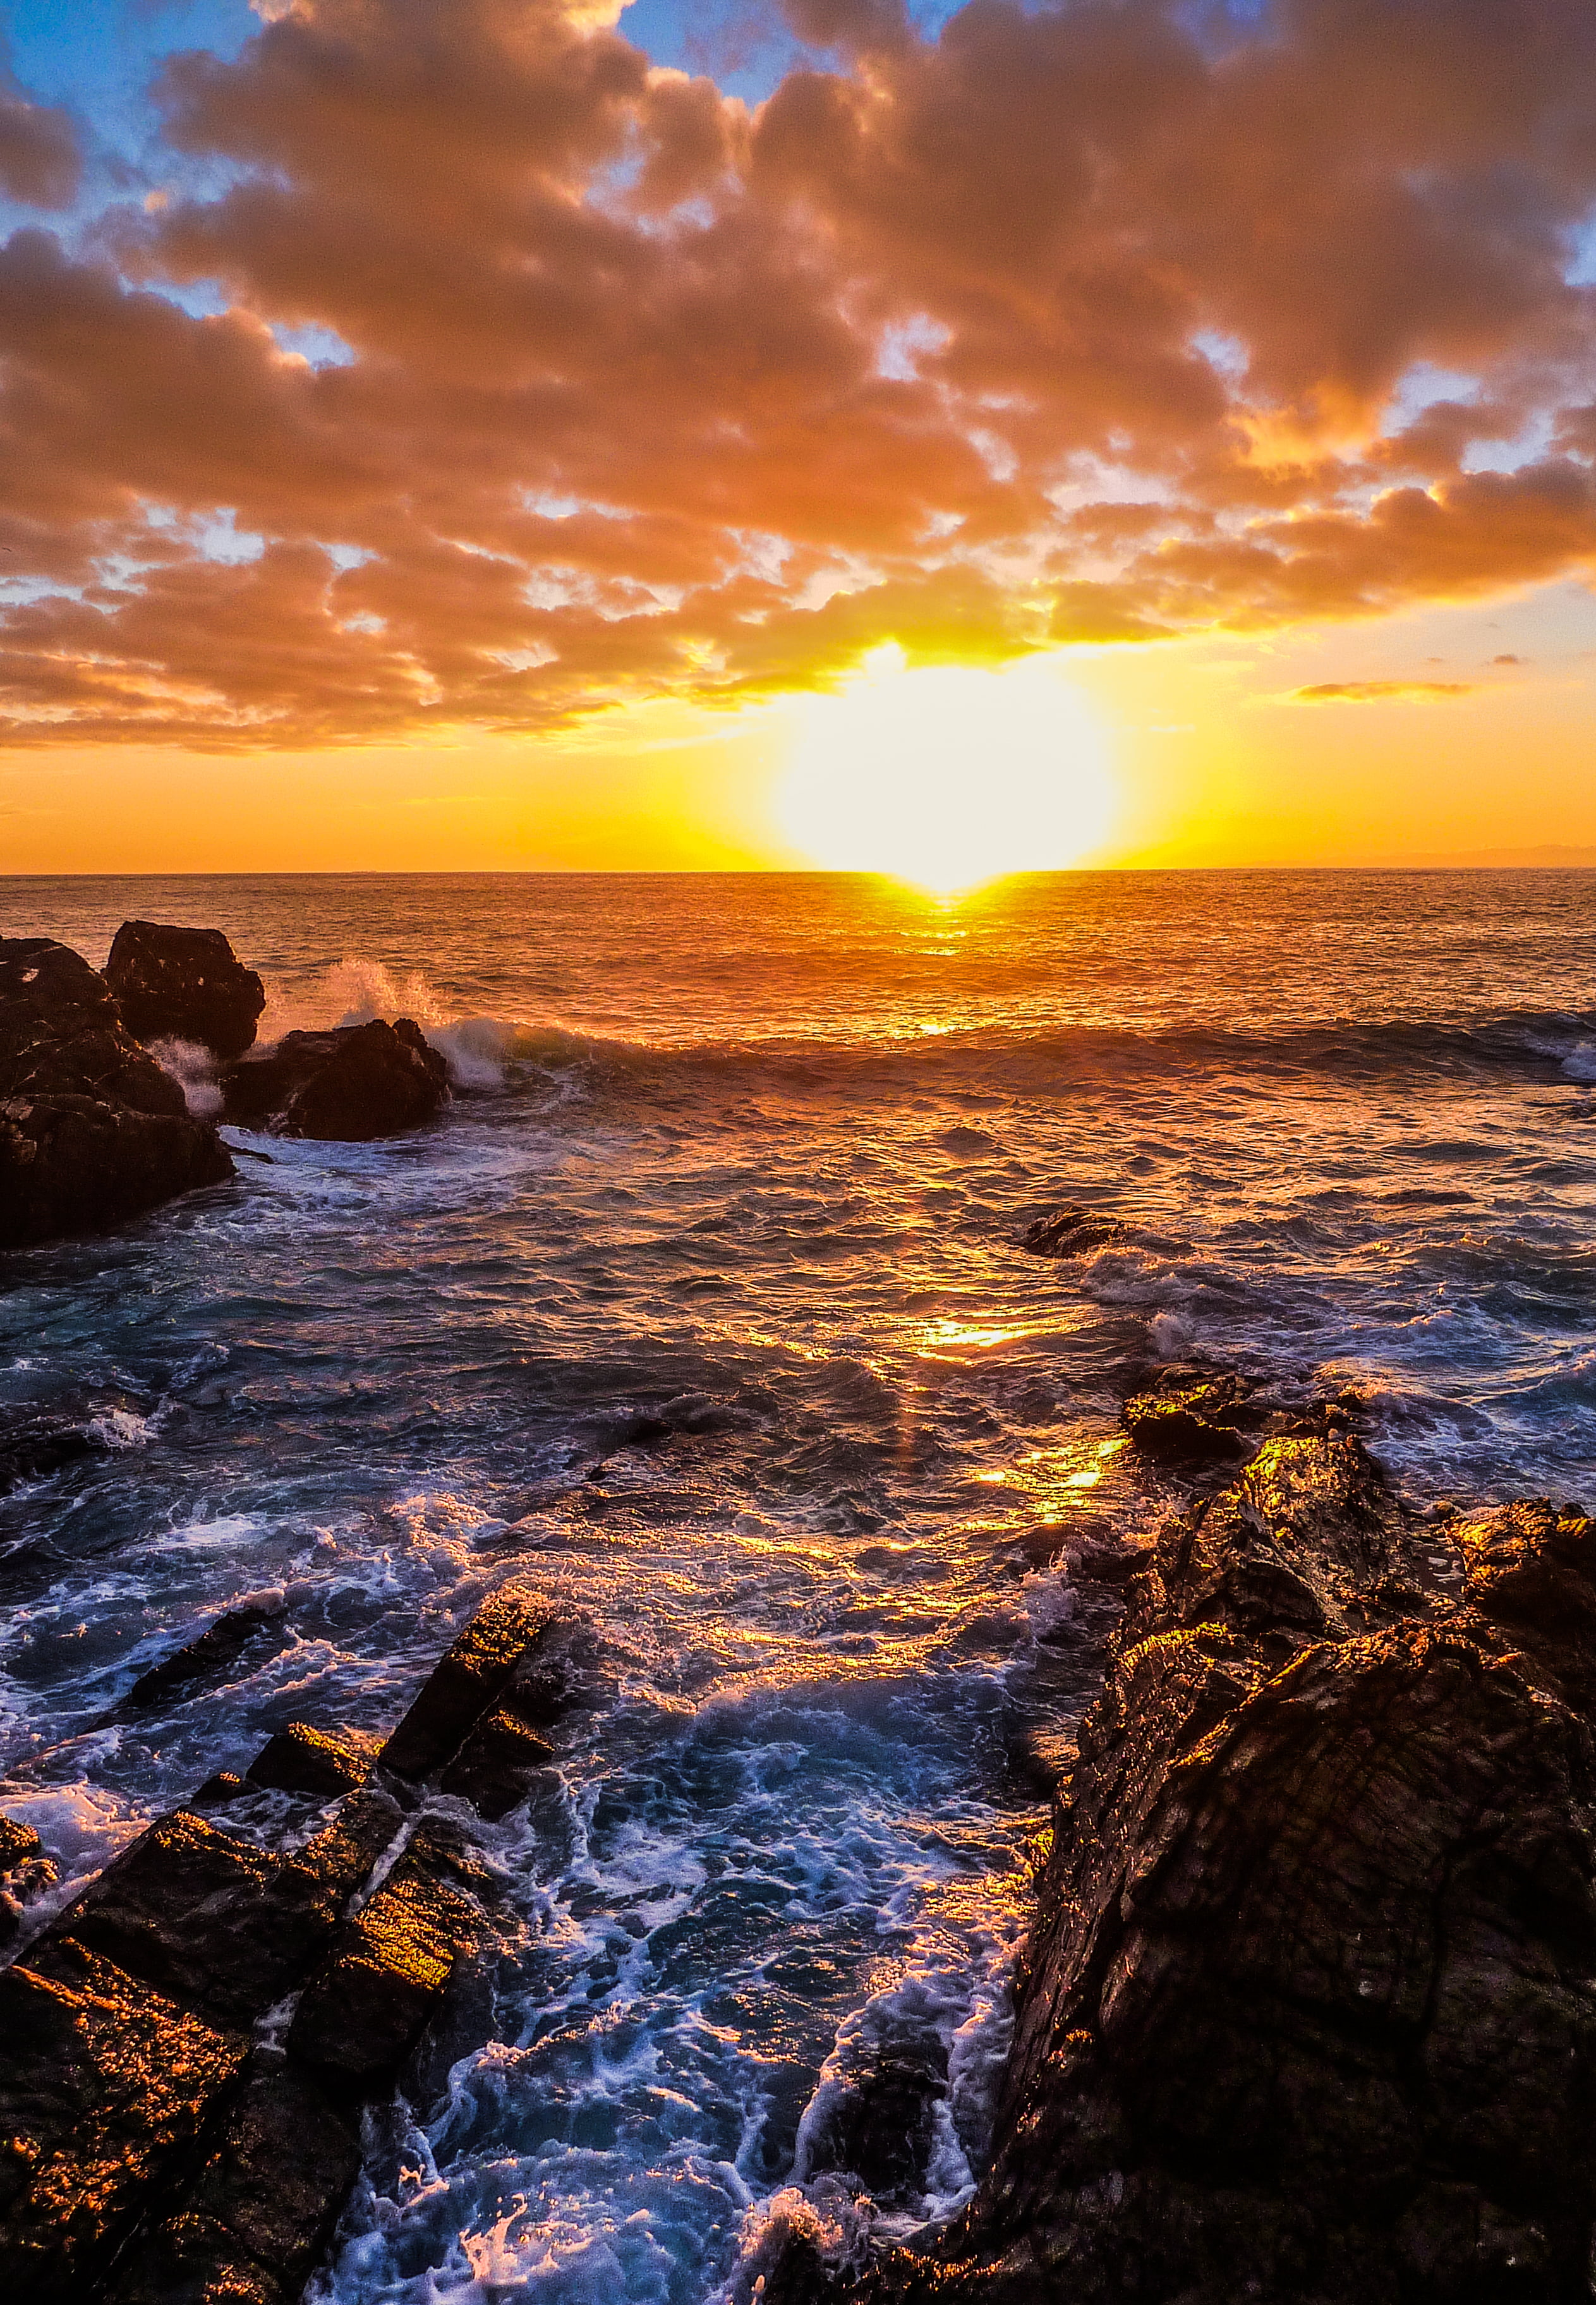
(1379, 691)
(1097, 321)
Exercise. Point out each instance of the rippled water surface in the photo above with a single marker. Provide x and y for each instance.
(702, 1307)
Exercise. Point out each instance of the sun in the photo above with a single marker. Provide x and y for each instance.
(945, 776)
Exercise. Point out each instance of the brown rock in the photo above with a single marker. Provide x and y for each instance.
(363, 2015)
(359, 1082)
(184, 984)
(104, 2088)
(91, 1130)
(1308, 2011)
(25, 1872)
(467, 1682)
(301, 1760)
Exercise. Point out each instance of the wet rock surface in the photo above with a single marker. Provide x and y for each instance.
(1071, 1231)
(358, 1082)
(1308, 2010)
(209, 1657)
(184, 984)
(187, 2051)
(91, 1130)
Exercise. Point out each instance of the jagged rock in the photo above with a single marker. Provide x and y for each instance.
(263, 2206)
(1071, 1231)
(222, 1927)
(496, 1762)
(300, 1759)
(1308, 2011)
(468, 1681)
(363, 2015)
(875, 2122)
(209, 1656)
(358, 1082)
(104, 2088)
(184, 984)
(150, 2153)
(1187, 1424)
(25, 1872)
(91, 1130)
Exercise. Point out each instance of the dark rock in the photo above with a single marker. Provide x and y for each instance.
(218, 1791)
(358, 1082)
(1308, 2009)
(25, 1872)
(300, 1759)
(876, 2122)
(1187, 1425)
(264, 2204)
(209, 1656)
(218, 1925)
(91, 1130)
(363, 2015)
(469, 1680)
(496, 1762)
(149, 2154)
(1071, 1231)
(105, 2087)
(184, 984)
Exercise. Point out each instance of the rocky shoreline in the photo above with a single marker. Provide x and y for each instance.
(1308, 2010)
(96, 1123)
(190, 2047)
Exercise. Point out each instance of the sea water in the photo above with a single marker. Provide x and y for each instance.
(703, 1308)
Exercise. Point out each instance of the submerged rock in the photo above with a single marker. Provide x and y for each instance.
(1308, 2009)
(91, 1130)
(184, 984)
(355, 1082)
(1071, 1231)
(209, 1656)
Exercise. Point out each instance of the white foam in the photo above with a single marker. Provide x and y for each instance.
(195, 1068)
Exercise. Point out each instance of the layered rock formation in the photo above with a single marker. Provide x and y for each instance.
(359, 1081)
(184, 984)
(91, 1130)
(163, 2136)
(1309, 2011)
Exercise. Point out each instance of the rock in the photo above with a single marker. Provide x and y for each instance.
(184, 984)
(91, 1130)
(1071, 1231)
(1308, 2009)
(264, 2204)
(358, 1082)
(496, 1762)
(209, 1656)
(300, 1759)
(105, 2087)
(151, 2153)
(363, 2015)
(1187, 1425)
(469, 1681)
(25, 1872)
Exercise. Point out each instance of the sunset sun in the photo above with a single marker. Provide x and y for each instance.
(945, 776)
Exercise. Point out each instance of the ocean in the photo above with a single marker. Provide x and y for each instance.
(703, 1308)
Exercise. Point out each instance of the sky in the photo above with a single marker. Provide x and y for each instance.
(520, 433)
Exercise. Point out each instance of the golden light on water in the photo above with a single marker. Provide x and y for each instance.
(946, 776)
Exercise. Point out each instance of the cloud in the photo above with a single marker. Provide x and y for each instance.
(627, 410)
(40, 161)
(1380, 692)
